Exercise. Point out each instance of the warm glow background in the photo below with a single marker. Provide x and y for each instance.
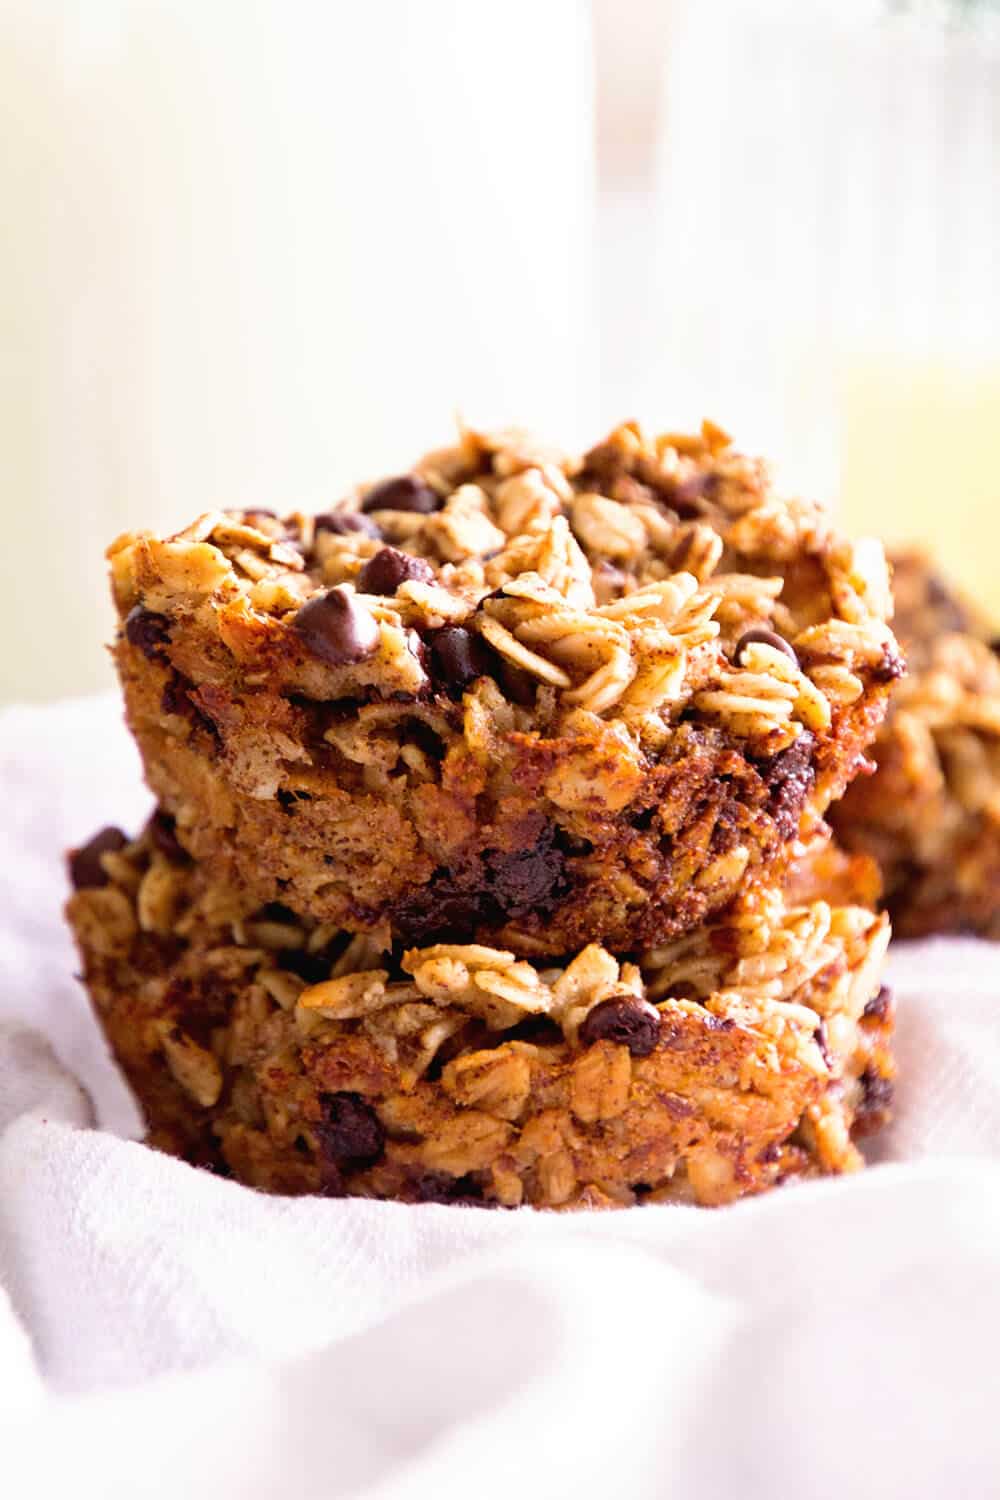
(921, 460)
(252, 252)
(830, 234)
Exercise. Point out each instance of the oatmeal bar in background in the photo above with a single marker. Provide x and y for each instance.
(302, 1060)
(930, 816)
(508, 696)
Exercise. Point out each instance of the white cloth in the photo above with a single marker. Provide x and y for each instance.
(165, 1333)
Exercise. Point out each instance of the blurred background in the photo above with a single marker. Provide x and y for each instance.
(254, 250)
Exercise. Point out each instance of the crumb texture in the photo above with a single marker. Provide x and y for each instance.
(300, 1059)
(930, 816)
(533, 700)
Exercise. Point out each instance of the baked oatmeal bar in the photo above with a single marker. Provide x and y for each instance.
(931, 814)
(508, 696)
(824, 871)
(301, 1060)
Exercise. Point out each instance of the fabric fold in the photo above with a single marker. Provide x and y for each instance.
(163, 1331)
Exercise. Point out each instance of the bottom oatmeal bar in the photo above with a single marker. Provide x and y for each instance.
(299, 1060)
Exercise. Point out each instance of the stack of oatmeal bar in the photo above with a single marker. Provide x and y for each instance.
(489, 861)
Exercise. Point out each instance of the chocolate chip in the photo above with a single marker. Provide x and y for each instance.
(149, 631)
(878, 1091)
(877, 1095)
(331, 1179)
(625, 1019)
(891, 665)
(438, 1187)
(518, 685)
(259, 510)
(350, 1132)
(458, 656)
(759, 635)
(822, 1042)
(384, 572)
(442, 911)
(314, 968)
(85, 869)
(162, 830)
(500, 886)
(526, 880)
(687, 497)
(881, 1004)
(337, 628)
(789, 776)
(407, 492)
(178, 697)
(174, 699)
(341, 523)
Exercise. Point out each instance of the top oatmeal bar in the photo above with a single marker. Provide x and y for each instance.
(509, 695)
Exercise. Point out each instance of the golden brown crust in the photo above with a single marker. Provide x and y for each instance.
(597, 752)
(824, 871)
(269, 1047)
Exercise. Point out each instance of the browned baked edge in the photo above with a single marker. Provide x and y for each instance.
(299, 1060)
(930, 816)
(559, 701)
